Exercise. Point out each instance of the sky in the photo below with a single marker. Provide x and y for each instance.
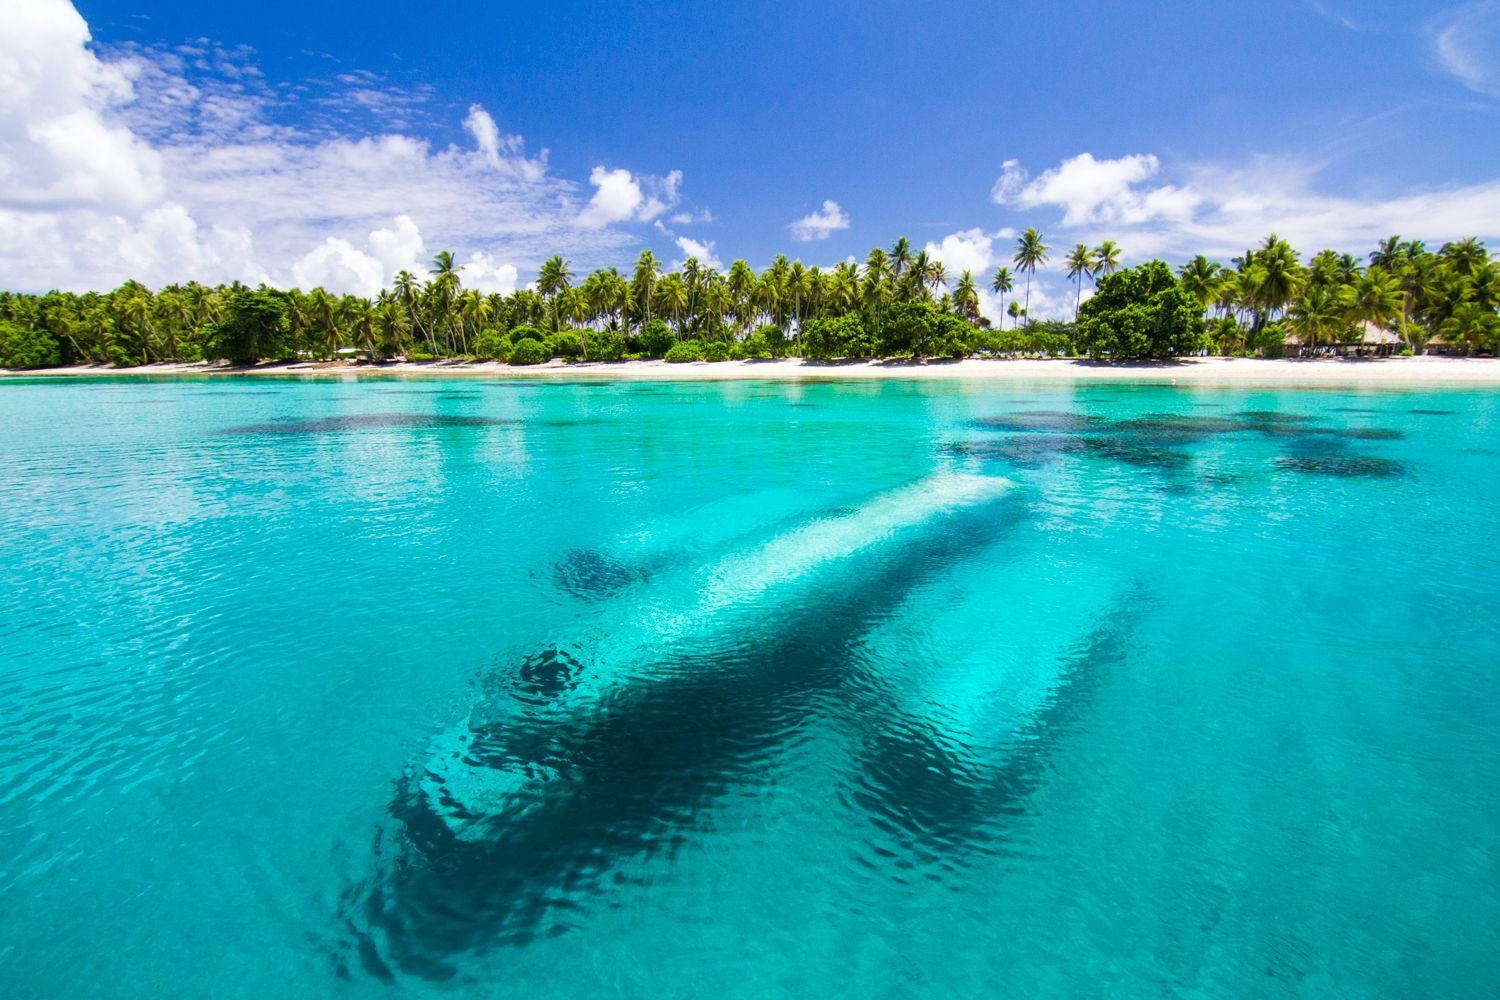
(336, 143)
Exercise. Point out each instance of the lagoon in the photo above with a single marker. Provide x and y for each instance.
(845, 687)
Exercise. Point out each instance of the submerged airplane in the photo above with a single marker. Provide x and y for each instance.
(604, 754)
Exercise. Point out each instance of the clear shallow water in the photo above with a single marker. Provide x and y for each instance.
(465, 688)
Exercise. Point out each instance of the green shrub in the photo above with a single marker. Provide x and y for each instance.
(605, 345)
(491, 343)
(1141, 312)
(844, 336)
(529, 352)
(684, 351)
(656, 340)
(716, 351)
(564, 344)
(918, 330)
(25, 348)
(774, 338)
(255, 326)
(521, 333)
(757, 347)
(1269, 341)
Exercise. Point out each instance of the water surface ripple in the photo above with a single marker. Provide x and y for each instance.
(924, 689)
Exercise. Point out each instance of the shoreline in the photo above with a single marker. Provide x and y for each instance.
(1415, 371)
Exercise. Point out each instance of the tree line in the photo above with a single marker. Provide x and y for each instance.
(901, 301)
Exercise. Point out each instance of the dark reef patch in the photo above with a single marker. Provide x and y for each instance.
(591, 574)
(1342, 466)
(1157, 441)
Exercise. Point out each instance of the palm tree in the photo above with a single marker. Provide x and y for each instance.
(1273, 277)
(936, 274)
(1467, 256)
(1315, 312)
(843, 286)
(442, 290)
(1002, 284)
(877, 265)
(741, 281)
(552, 281)
(672, 291)
(1389, 253)
(1200, 277)
(1374, 297)
(1107, 258)
(643, 282)
(796, 288)
(1031, 252)
(409, 294)
(966, 297)
(900, 255)
(323, 310)
(1471, 324)
(1080, 263)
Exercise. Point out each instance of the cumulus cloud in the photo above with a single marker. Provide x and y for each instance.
(174, 163)
(489, 275)
(58, 146)
(702, 251)
(968, 250)
(616, 198)
(620, 196)
(1220, 210)
(1091, 190)
(820, 224)
(1466, 42)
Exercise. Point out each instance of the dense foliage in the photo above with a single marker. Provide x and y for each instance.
(1141, 312)
(900, 303)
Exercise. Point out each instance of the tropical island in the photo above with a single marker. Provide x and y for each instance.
(901, 303)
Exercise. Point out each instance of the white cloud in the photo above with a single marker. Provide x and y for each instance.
(1466, 41)
(1012, 178)
(661, 194)
(485, 132)
(619, 197)
(170, 164)
(820, 224)
(489, 275)
(968, 250)
(58, 146)
(1091, 190)
(616, 198)
(703, 251)
(339, 264)
(687, 218)
(1222, 210)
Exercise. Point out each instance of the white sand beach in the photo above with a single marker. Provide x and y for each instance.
(1415, 371)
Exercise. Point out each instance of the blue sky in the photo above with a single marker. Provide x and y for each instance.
(332, 142)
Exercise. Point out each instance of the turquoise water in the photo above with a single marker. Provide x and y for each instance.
(745, 689)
